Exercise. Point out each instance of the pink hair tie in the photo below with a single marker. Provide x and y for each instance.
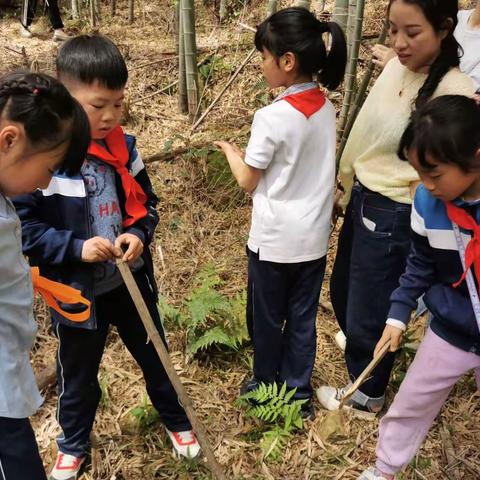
(35, 91)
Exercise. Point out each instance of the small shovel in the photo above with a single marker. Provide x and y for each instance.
(334, 422)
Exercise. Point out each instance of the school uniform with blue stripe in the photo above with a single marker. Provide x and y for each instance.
(432, 267)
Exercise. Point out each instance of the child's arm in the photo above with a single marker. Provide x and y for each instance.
(419, 276)
(141, 233)
(246, 176)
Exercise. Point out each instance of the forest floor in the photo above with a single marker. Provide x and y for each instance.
(204, 220)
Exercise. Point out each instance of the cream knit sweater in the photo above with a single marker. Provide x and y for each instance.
(371, 150)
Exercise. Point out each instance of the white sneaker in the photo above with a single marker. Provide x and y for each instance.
(25, 32)
(67, 467)
(341, 340)
(373, 474)
(185, 444)
(330, 398)
(60, 36)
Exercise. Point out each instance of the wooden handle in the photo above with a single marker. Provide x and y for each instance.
(366, 373)
(157, 342)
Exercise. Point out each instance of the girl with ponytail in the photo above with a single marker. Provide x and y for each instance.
(375, 237)
(289, 166)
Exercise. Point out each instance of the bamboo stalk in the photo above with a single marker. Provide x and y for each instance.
(304, 4)
(222, 10)
(154, 336)
(350, 33)
(131, 12)
(75, 11)
(113, 8)
(182, 75)
(350, 76)
(360, 98)
(191, 71)
(271, 7)
(93, 22)
(340, 13)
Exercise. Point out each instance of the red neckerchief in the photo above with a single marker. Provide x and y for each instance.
(307, 102)
(117, 157)
(472, 252)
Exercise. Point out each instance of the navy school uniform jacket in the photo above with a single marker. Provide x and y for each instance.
(55, 224)
(432, 267)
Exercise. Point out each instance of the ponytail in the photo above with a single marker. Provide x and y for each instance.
(297, 30)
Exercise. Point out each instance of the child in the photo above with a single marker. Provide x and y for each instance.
(75, 229)
(42, 129)
(442, 143)
(289, 165)
(467, 34)
(28, 14)
(374, 240)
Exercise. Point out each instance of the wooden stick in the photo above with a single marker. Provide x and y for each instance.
(225, 88)
(365, 374)
(157, 342)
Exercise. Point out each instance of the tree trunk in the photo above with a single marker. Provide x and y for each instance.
(182, 79)
(340, 13)
(188, 24)
(131, 11)
(304, 4)
(271, 7)
(75, 12)
(350, 76)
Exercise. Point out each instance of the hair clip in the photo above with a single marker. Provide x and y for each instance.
(35, 91)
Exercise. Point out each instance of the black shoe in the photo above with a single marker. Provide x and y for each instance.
(307, 410)
(249, 385)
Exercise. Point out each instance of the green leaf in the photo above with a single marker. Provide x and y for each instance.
(214, 336)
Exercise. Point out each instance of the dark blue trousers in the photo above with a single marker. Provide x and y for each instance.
(78, 360)
(372, 251)
(281, 316)
(19, 457)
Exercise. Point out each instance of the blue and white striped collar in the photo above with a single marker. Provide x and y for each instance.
(297, 88)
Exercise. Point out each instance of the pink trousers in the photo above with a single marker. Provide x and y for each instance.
(435, 370)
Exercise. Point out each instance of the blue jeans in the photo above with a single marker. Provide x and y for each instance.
(282, 309)
(372, 251)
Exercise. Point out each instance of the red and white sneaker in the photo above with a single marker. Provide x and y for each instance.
(67, 467)
(185, 444)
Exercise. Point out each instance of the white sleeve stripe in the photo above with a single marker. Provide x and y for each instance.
(417, 222)
(137, 165)
(68, 187)
(396, 323)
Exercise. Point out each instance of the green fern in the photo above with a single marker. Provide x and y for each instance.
(214, 336)
(168, 313)
(273, 443)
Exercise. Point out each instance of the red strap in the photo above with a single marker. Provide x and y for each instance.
(307, 102)
(472, 252)
(117, 157)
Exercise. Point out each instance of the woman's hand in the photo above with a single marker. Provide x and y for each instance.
(382, 55)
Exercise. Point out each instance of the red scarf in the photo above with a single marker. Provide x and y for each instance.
(118, 158)
(472, 252)
(307, 102)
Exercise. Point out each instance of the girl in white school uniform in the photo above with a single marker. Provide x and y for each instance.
(289, 166)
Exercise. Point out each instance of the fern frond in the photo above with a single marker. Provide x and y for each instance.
(273, 443)
(214, 336)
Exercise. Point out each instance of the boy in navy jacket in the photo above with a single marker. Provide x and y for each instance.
(75, 229)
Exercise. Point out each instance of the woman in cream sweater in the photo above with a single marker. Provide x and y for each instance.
(375, 238)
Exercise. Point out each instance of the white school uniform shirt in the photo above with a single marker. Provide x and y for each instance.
(469, 39)
(293, 201)
(19, 395)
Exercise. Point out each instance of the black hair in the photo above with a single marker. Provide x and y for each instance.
(90, 58)
(48, 113)
(442, 15)
(447, 129)
(297, 30)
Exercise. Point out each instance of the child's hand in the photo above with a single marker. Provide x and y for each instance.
(99, 249)
(135, 246)
(382, 55)
(394, 334)
(229, 148)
